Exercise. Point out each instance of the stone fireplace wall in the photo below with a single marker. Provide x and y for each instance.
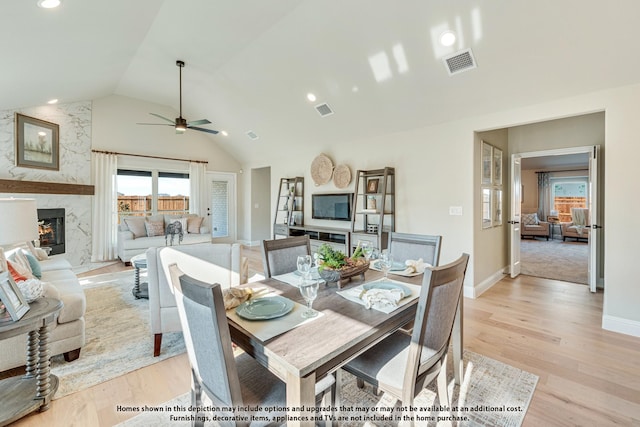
(74, 120)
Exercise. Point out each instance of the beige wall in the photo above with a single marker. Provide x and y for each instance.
(530, 186)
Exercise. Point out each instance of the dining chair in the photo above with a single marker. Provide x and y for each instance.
(229, 381)
(280, 256)
(403, 365)
(404, 246)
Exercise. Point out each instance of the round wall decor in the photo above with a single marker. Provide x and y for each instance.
(321, 169)
(342, 176)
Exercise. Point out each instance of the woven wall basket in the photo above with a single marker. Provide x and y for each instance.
(321, 169)
(342, 176)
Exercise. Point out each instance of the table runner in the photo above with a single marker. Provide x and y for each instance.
(264, 330)
(353, 294)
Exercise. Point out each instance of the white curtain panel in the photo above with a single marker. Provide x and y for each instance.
(198, 186)
(105, 207)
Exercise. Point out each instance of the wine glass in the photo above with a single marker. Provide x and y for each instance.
(304, 265)
(367, 249)
(309, 291)
(386, 261)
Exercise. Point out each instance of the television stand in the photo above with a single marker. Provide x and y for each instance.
(337, 238)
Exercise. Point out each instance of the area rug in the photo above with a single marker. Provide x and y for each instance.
(492, 394)
(555, 259)
(118, 337)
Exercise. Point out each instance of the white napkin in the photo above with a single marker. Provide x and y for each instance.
(415, 266)
(380, 298)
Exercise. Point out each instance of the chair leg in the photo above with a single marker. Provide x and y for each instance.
(157, 343)
(360, 382)
(337, 397)
(443, 392)
(72, 355)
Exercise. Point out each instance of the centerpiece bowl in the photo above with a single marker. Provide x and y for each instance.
(335, 267)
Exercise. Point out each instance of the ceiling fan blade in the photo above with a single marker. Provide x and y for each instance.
(198, 122)
(204, 130)
(155, 124)
(163, 118)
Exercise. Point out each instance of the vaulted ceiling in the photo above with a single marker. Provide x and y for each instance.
(378, 64)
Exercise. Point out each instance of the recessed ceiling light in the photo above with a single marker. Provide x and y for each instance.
(311, 97)
(52, 101)
(48, 4)
(448, 38)
(224, 132)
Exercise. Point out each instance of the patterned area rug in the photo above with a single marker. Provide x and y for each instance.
(492, 394)
(555, 259)
(118, 336)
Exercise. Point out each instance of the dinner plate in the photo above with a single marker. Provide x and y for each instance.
(264, 308)
(395, 266)
(387, 286)
(314, 273)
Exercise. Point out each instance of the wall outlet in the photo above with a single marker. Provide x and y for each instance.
(455, 210)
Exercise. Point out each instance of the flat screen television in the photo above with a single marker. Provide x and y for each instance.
(334, 206)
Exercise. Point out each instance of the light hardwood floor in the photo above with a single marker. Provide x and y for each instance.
(588, 376)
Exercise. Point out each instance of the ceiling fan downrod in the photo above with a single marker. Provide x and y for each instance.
(181, 124)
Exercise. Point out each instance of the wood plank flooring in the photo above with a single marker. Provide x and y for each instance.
(588, 376)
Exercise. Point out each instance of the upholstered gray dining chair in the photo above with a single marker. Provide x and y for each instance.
(280, 256)
(404, 246)
(227, 380)
(403, 365)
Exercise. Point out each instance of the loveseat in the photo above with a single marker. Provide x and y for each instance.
(221, 263)
(531, 226)
(136, 234)
(67, 333)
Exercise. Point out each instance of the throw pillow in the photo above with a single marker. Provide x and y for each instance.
(21, 263)
(530, 219)
(154, 228)
(17, 277)
(36, 269)
(41, 254)
(31, 289)
(194, 224)
(136, 226)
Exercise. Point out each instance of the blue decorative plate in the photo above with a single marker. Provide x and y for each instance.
(387, 286)
(265, 308)
(395, 266)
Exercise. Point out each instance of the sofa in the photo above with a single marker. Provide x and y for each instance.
(136, 234)
(531, 226)
(67, 333)
(221, 263)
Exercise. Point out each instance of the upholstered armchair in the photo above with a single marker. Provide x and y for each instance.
(579, 226)
(531, 226)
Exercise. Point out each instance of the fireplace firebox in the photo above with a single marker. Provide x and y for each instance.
(51, 230)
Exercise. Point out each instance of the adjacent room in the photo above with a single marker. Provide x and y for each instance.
(306, 213)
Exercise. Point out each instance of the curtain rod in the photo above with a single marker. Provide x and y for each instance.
(149, 157)
(565, 170)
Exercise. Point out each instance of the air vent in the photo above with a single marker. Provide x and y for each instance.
(459, 62)
(251, 134)
(324, 110)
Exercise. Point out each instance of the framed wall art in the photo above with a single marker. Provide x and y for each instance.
(37, 143)
(372, 185)
(11, 297)
(497, 166)
(487, 162)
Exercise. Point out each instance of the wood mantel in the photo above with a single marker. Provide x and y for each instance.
(35, 187)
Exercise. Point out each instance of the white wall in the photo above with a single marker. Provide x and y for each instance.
(435, 170)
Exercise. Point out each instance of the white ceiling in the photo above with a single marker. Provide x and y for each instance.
(250, 63)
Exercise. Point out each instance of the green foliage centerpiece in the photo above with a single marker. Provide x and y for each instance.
(335, 266)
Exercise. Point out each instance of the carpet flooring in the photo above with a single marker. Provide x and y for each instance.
(555, 259)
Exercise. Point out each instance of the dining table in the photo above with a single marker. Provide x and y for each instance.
(304, 354)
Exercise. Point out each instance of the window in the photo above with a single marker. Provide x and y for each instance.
(144, 193)
(567, 194)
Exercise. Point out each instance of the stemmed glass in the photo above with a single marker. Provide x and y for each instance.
(309, 291)
(367, 249)
(304, 265)
(386, 261)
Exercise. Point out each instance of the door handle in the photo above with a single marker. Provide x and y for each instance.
(594, 226)
(513, 222)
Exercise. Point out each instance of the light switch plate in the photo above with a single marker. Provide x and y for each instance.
(455, 210)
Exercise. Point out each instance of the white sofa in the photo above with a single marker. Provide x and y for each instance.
(210, 262)
(134, 239)
(67, 334)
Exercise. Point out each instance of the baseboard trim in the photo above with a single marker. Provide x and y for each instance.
(477, 290)
(621, 325)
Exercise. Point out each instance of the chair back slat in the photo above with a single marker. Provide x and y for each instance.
(280, 256)
(405, 246)
(206, 335)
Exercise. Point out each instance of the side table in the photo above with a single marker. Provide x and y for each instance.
(21, 395)
(140, 290)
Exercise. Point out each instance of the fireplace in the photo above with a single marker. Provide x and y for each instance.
(51, 230)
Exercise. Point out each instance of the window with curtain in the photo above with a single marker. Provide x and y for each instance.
(144, 193)
(567, 194)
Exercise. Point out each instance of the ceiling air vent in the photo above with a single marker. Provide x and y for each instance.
(251, 134)
(324, 110)
(459, 62)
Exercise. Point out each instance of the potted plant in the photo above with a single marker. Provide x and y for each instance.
(335, 266)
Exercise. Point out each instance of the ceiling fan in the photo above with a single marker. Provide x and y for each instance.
(181, 124)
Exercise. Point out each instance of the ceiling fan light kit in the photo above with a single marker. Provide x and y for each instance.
(180, 123)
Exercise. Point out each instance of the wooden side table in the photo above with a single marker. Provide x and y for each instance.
(22, 395)
(140, 290)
